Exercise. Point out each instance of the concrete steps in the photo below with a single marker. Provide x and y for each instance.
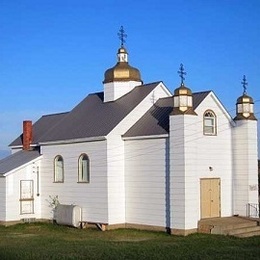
(251, 233)
(244, 232)
(232, 226)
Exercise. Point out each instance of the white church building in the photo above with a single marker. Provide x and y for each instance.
(136, 155)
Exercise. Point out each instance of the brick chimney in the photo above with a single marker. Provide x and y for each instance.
(27, 134)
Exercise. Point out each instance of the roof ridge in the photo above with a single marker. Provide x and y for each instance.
(55, 114)
(200, 92)
(151, 83)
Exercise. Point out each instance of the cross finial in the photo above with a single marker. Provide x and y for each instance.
(122, 35)
(244, 84)
(181, 72)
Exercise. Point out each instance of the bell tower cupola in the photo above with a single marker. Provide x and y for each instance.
(121, 78)
(245, 105)
(182, 99)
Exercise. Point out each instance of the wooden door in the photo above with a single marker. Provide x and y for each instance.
(26, 197)
(210, 198)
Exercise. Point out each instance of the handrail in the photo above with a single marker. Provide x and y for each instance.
(253, 210)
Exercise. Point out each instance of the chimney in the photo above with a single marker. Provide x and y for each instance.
(27, 134)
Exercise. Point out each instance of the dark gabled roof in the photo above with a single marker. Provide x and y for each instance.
(17, 159)
(156, 120)
(40, 127)
(90, 118)
(198, 97)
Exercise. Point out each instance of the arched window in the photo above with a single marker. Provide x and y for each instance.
(209, 123)
(83, 172)
(58, 169)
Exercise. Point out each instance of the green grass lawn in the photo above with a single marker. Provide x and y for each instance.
(47, 241)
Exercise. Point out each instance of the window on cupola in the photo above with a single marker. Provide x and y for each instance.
(209, 123)
(83, 171)
(58, 169)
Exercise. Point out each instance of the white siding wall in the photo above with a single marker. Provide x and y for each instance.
(115, 90)
(115, 156)
(245, 165)
(216, 152)
(194, 153)
(116, 180)
(184, 196)
(92, 197)
(146, 168)
(13, 179)
(2, 198)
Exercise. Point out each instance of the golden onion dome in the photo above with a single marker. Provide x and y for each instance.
(182, 90)
(245, 99)
(122, 71)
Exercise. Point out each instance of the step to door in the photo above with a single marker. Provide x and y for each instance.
(227, 229)
(233, 226)
(238, 231)
(249, 234)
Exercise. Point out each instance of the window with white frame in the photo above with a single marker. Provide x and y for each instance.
(83, 168)
(209, 123)
(58, 169)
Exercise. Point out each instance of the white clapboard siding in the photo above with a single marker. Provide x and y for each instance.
(145, 177)
(92, 196)
(216, 152)
(195, 156)
(245, 164)
(13, 188)
(116, 155)
(115, 90)
(183, 175)
(2, 199)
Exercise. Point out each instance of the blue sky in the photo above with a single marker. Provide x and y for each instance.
(53, 53)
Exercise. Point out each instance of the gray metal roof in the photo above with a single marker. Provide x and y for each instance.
(156, 120)
(16, 160)
(90, 118)
(43, 125)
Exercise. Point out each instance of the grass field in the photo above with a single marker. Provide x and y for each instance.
(47, 241)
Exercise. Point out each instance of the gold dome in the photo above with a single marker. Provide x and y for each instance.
(245, 99)
(182, 90)
(122, 71)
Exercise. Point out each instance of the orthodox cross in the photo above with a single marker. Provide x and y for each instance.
(244, 84)
(182, 73)
(122, 35)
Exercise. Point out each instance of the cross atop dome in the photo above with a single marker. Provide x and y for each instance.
(244, 84)
(181, 72)
(122, 35)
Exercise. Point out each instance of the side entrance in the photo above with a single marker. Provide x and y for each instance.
(210, 198)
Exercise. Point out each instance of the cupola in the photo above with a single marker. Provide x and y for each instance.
(182, 99)
(122, 78)
(122, 71)
(245, 105)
